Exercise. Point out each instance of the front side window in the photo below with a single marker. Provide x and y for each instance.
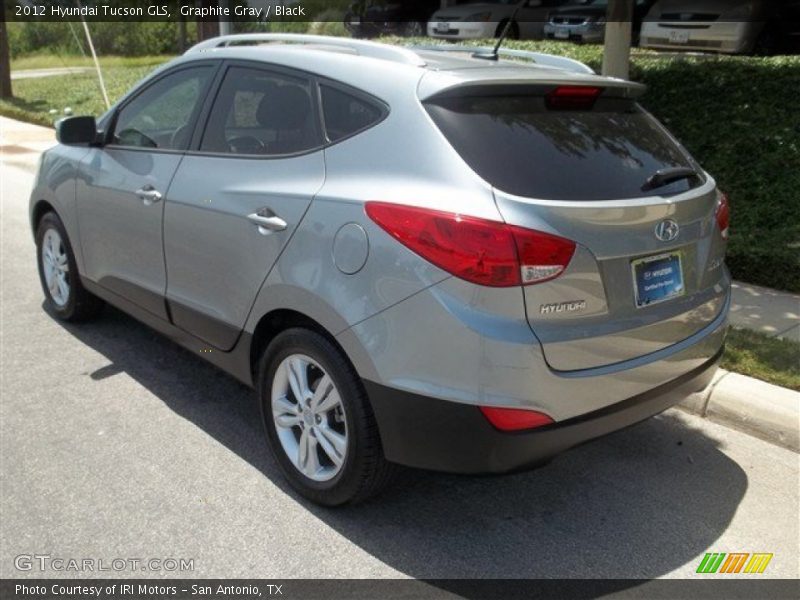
(160, 117)
(259, 112)
(345, 114)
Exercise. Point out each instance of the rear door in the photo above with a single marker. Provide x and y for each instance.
(122, 185)
(647, 271)
(238, 197)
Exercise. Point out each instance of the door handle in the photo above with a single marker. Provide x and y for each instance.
(267, 221)
(148, 195)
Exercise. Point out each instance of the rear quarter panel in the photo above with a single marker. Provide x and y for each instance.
(403, 159)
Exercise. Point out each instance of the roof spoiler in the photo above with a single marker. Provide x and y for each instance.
(609, 88)
(540, 58)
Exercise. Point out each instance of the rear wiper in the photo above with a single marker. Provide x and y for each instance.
(669, 175)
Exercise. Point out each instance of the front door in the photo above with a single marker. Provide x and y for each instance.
(236, 201)
(123, 185)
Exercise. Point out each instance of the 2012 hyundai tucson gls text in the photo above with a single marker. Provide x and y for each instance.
(416, 257)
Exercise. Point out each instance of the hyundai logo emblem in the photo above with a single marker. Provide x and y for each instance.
(667, 230)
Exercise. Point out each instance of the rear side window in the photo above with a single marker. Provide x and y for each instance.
(346, 114)
(520, 147)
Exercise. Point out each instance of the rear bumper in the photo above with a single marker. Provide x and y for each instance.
(441, 435)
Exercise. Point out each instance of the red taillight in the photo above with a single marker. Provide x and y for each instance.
(723, 215)
(477, 250)
(542, 256)
(514, 419)
(572, 97)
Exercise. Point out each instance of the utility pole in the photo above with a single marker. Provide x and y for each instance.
(5, 57)
(617, 52)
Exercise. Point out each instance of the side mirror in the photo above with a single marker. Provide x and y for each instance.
(76, 130)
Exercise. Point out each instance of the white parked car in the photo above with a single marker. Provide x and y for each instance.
(757, 26)
(487, 19)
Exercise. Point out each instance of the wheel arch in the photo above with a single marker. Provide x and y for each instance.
(275, 322)
(39, 210)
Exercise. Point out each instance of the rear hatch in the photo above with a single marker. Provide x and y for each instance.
(587, 163)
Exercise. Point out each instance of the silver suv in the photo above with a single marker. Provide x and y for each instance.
(415, 256)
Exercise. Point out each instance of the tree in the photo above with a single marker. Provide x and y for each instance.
(616, 55)
(5, 56)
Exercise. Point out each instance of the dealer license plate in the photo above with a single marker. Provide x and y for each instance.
(657, 278)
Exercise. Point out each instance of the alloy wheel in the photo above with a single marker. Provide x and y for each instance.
(55, 265)
(309, 417)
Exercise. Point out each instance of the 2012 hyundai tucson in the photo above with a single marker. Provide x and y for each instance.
(419, 257)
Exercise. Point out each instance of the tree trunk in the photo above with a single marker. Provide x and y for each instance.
(209, 27)
(5, 57)
(617, 52)
(182, 43)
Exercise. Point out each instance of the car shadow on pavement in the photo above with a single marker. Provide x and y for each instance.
(636, 504)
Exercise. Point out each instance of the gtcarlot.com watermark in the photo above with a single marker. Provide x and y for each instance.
(61, 564)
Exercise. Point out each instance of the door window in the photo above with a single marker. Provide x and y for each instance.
(259, 112)
(160, 117)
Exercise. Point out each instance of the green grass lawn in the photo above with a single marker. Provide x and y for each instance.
(35, 97)
(767, 358)
(736, 115)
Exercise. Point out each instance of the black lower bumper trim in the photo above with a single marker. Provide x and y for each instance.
(424, 432)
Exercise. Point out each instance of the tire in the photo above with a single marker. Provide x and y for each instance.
(67, 300)
(766, 44)
(362, 471)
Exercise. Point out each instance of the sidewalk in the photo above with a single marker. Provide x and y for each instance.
(769, 311)
(22, 143)
(52, 72)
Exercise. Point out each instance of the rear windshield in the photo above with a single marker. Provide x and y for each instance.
(520, 147)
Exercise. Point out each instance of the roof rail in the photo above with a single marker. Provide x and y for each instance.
(540, 58)
(387, 52)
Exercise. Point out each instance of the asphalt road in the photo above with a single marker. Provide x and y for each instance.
(115, 443)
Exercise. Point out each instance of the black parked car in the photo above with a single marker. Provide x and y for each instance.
(373, 18)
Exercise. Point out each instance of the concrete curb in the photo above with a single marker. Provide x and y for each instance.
(761, 409)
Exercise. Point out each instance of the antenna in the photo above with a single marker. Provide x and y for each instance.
(494, 54)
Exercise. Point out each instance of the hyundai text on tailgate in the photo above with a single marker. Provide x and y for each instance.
(415, 256)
